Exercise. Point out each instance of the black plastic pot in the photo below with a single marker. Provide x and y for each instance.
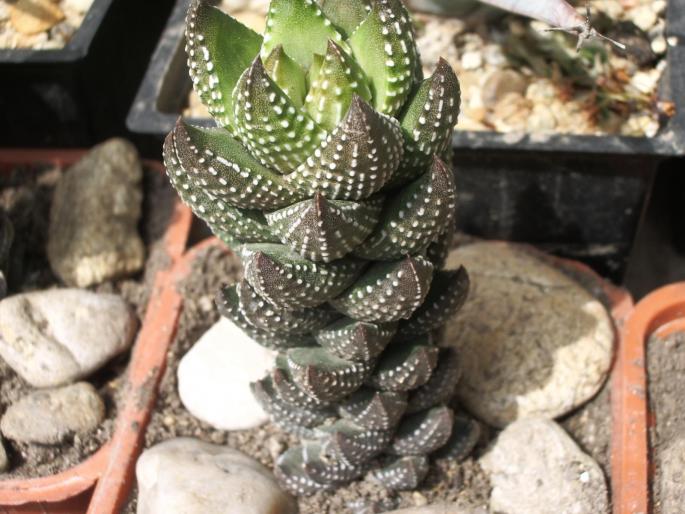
(580, 197)
(80, 94)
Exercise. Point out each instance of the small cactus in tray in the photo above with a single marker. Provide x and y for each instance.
(325, 174)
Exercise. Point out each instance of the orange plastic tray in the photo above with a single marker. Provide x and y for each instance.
(660, 313)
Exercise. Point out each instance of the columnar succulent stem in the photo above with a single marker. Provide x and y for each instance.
(325, 176)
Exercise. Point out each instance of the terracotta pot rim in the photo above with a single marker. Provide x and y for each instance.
(116, 481)
(661, 313)
(74, 481)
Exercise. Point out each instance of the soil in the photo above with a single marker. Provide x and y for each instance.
(590, 427)
(26, 194)
(666, 368)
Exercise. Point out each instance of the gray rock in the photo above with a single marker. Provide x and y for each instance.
(58, 336)
(188, 476)
(532, 340)
(534, 466)
(94, 217)
(501, 82)
(4, 462)
(51, 415)
(672, 476)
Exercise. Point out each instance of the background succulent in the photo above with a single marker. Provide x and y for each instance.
(325, 175)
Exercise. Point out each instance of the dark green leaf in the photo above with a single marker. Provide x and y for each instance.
(325, 230)
(288, 281)
(415, 217)
(388, 291)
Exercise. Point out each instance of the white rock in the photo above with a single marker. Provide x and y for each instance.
(214, 377)
(535, 467)
(532, 340)
(49, 416)
(472, 60)
(644, 16)
(4, 462)
(187, 476)
(58, 336)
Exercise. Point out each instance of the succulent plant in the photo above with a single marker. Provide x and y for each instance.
(325, 174)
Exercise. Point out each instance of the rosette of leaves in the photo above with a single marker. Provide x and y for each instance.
(325, 174)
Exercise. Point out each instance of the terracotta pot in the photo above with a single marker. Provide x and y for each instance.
(115, 484)
(114, 487)
(68, 491)
(661, 313)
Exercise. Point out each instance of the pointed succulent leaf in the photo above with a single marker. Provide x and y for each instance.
(356, 340)
(325, 230)
(387, 291)
(415, 217)
(323, 376)
(219, 49)
(424, 432)
(347, 442)
(289, 75)
(403, 473)
(356, 159)
(288, 281)
(377, 410)
(292, 475)
(441, 385)
(385, 48)
(438, 250)
(326, 470)
(221, 166)
(291, 393)
(428, 122)
(446, 296)
(228, 304)
(231, 224)
(263, 316)
(302, 29)
(404, 367)
(465, 435)
(338, 79)
(276, 131)
(279, 410)
(346, 15)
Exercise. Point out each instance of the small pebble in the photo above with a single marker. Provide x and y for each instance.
(501, 82)
(471, 60)
(644, 17)
(50, 416)
(30, 17)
